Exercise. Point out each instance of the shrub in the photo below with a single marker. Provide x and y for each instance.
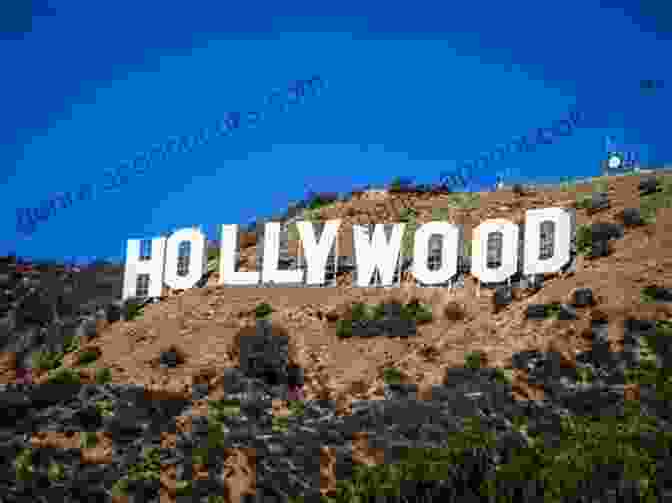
(600, 185)
(103, 376)
(584, 201)
(88, 440)
(293, 232)
(407, 214)
(344, 328)
(465, 200)
(87, 357)
(262, 310)
(359, 312)
(416, 311)
(23, 465)
(474, 360)
(442, 214)
(133, 308)
(71, 344)
(63, 375)
(55, 472)
(584, 240)
(105, 408)
(218, 410)
(392, 375)
(45, 360)
(518, 189)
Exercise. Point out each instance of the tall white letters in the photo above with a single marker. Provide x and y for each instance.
(449, 252)
(152, 267)
(317, 253)
(380, 254)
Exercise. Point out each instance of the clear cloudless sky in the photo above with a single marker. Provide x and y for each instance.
(413, 88)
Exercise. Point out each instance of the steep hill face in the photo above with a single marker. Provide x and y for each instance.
(193, 339)
(203, 322)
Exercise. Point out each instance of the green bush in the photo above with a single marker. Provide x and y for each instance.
(103, 376)
(133, 309)
(465, 200)
(344, 328)
(600, 184)
(584, 240)
(63, 375)
(414, 310)
(552, 311)
(441, 214)
(23, 465)
(71, 344)
(262, 310)
(293, 232)
(651, 203)
(45, 360)
(220, 409)
(87, 357)
(407, 214)
(88, 440)
(149, 468)
(55, 472)
(392, 375)
(473, 360)
(105, 408)
(359, 312)
(583, 201)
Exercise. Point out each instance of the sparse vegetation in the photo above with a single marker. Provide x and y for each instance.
(553, 311)
(584, 240)
(105, 408)
(103, 376)
(600, 184)
(662, 198)
(63, 375)
(465, 200)
(133, 309)
(88, 439)
(45, 360)
(262, 310)
(584, 200)
(87, 356)
(312, 215)
(293, 232)
(474, 360)
(55, 472)
(147, 469)
(344, 328)
(441, 214)
(392, 375)
(219, 409)
(23, 465)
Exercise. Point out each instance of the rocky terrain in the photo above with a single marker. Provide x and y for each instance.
(255, 394)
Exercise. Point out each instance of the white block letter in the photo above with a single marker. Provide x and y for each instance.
(382, 254)
(449, 252)
(316, 253)
(197, 261)
(272, 256)
(563, 224)
(479, 261)
(227, 261)
(152, 267)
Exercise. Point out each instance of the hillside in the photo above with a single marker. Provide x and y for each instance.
(204, 327)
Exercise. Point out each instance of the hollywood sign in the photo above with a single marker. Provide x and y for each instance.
(372, 252)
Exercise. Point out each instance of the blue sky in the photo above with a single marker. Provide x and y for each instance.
(413, 89)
